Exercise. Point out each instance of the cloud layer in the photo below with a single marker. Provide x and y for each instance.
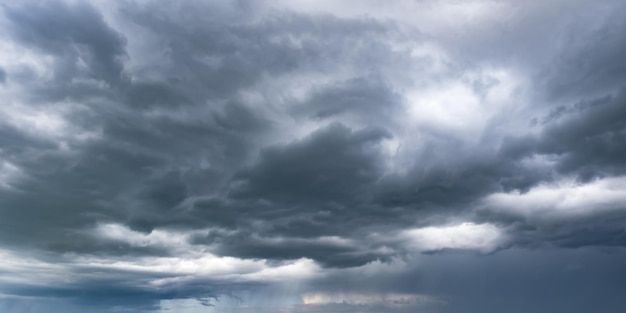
(268, 156)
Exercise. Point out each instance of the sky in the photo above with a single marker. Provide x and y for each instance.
(278, 156)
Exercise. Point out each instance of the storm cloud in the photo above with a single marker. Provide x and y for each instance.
(312, 156)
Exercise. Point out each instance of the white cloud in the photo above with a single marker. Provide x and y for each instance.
(23, 269)
(195, 260)
(482, 237)
(564, 199)
(118, 232)
(427, 15)
(30, 271)
(448, 108)
(354, 298)
(45, 123)
(16, 58)
(463, 107)
(8, 171)
(297, 270)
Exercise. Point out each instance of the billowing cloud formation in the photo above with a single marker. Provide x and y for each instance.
(312, 156)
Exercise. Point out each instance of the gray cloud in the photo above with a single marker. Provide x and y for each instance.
(152, 151)
(71, 34)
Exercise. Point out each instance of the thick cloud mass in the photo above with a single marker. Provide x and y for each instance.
(312, 156)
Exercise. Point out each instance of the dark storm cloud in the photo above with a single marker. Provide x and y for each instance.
(128, 166)
(141, 166)
(333, 164)
(216, 57)
(366, 99)
(265, 134)
(310, 188)
(70, 33)
(144, 141)
(585, 141)
(589, 139)
(590, 61)
(3, 76)
(585, 138)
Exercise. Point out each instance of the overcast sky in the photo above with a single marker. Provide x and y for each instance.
(313, 156)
